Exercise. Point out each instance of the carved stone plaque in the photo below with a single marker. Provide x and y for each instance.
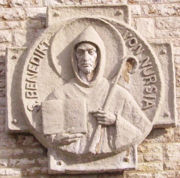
(91, 90)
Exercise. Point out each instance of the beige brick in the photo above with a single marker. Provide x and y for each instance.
(36, 24)
(2, 128)
(42, 161)
(160, 136)
(4, 25)
(12, 13)
(136, 10)
(2, 102)
(2, 110)
(3, 162)
(4, 153)
(2, 83)
(19, 38)
(5, 36)
(148, 148)
(161, 9)
(2, 92)
(25, 140)
(34, 151)
(3, 2)
(177, 133)
(145, 27)
(176, 50)
(2, 71)
(2, 119)
(171, 165)
(140, 157)
(22, 162)
(9, 171)
(151, 157)
(170, 23)
(4, 46)
(137, 175)
(8, 141)
(167, 34)
(164, 174)
(177, 59)
(150, 166)
(8, 152)
(175, 41)
(35, 171)
(177, 174)
(172, 152)
(36, 13)
(107, 175)
(25, 3)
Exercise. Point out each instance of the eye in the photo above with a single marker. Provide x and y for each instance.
(91, 51)
(80, 52)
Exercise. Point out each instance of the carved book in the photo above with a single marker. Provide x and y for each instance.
(67, 116)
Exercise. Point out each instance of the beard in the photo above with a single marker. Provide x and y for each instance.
(87, 69)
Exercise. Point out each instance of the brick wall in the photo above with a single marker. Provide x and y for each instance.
(21, 21)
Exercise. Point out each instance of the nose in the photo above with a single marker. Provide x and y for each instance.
(86, 55)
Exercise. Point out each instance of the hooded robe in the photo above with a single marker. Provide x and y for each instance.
(75, 100)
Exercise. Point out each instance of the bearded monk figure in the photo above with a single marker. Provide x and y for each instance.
(76, 109)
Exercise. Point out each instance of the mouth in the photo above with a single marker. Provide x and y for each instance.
(86, 65)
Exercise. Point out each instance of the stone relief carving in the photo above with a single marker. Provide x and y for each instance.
(91, 90)
(93, 116)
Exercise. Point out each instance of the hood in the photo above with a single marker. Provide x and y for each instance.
(91, 36)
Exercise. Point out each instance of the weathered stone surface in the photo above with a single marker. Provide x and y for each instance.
(120, 13)
(34, 151)
(171, 165)
(160, 136)
(167, 174)
(161, 9)
(36, 13)
(35, 171)
(170, 23)
(149, 157)
(138, 175)
(5, 36)
(24, 3)
(150, 166)
(19, 38)
(177, 59)
(9, 172)
(23, 162)
(145, 27)
(146, 148)
(136, 10)
(177, 134)
(168, 115)
(27, 141)
(13, 14)
(16, 122)
(3, 162)
(172, 152)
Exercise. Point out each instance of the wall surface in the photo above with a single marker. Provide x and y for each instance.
(22, 21)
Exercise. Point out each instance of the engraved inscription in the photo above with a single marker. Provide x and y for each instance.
(147, 71)
(31, 87)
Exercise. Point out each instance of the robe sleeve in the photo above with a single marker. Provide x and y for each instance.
(132, 126)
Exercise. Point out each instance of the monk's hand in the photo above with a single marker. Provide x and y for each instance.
(66, 138)
(104, 117)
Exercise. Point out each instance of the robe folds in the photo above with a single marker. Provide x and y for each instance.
(74, 104)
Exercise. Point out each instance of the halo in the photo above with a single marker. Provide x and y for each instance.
(62, 45)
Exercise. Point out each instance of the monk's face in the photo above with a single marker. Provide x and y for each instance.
(86, 55)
